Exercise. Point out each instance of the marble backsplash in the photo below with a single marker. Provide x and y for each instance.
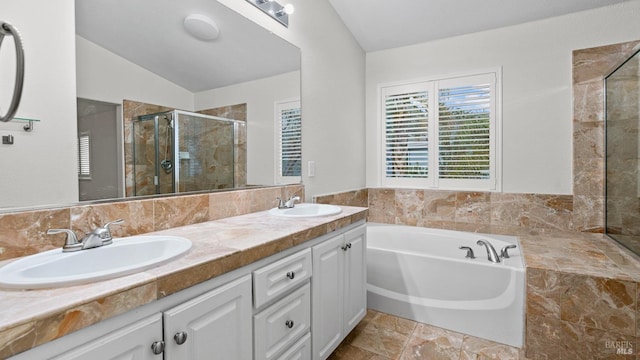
(24, 233)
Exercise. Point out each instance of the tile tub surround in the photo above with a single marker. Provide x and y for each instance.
(496, 213)
(583, 289)
(31, 318)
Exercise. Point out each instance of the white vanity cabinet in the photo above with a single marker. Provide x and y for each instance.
(216, 323)
(279, 327)
(130, 342)
(298, 304)
(339, 289)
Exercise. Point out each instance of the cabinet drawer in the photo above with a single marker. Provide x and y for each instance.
(281, 324)
(275, 279)
(300, 350)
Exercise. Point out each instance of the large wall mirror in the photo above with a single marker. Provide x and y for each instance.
(135, 58)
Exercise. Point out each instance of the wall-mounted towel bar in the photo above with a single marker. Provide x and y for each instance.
(8, 29)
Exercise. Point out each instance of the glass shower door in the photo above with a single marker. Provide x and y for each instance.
(205, 152)
(153, 154)
(622, 188)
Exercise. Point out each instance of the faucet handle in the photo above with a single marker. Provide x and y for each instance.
(105, 233)
(71, 241)
(470, 254)
(280, 202)
(504, 253)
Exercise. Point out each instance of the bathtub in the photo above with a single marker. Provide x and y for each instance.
(421, 274)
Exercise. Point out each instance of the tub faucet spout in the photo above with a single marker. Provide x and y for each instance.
(492, 254)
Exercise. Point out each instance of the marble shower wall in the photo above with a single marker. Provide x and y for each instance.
(24, 233)
(590, 66)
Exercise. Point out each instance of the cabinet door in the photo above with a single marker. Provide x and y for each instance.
(132, 342)
(217, 325)
(327, 303)
(355, 291)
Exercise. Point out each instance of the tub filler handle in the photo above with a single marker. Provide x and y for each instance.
(470, 254)
(504, 253)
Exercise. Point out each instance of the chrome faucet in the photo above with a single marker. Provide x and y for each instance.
(492, 255)
(96, 238)
(289, 203)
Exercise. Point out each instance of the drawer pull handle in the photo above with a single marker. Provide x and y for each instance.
(291, 275)
(346, 247)
(289, 323)
(157, 347)
(180, 337)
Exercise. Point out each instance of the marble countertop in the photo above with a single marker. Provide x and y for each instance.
(33, 317)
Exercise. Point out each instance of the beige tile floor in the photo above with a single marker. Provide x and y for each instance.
(381, 336)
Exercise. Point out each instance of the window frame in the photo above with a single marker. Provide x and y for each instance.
(280, 106)
(433, 84)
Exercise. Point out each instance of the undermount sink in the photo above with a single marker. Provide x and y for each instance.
(307, 210)
(125, 256)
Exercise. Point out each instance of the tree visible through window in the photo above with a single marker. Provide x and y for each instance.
(441, 133)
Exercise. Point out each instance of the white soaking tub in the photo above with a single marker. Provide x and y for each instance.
(421, 274)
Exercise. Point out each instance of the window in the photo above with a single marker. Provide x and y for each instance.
(441, 133)
(84, 156)
(288, 142)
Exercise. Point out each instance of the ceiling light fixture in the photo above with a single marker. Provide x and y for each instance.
(201, 27)
(274, 9)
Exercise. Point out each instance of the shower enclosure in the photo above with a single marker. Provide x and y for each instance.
(178, 151)
(622, 153)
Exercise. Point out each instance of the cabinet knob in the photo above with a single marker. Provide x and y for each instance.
(180, 337)
(289, 323)
(291, 275)
(157, 347)
(349, 245)
(346, 247)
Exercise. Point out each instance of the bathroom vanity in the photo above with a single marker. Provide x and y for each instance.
(252, 287)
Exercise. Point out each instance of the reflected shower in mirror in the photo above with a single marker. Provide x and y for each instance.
(622, 188)
(180, 151)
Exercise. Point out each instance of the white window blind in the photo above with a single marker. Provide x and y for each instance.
(407, 130)
(289, 141)
(441, 133)
(464, 132)
(84, 156)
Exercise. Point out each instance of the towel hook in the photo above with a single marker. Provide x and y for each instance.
(8, 29)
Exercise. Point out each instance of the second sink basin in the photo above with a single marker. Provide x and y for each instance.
(307, 210)
(125, 256)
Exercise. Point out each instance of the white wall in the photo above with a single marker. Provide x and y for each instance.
(48, 33)
(260, 97)
(105, 76)
(537, 100)
(332, 93)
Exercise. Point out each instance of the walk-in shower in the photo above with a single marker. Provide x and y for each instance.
(178, 151)
(622, 190)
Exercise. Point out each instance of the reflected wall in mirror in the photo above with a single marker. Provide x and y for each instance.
(140, 51)
(622, 191)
